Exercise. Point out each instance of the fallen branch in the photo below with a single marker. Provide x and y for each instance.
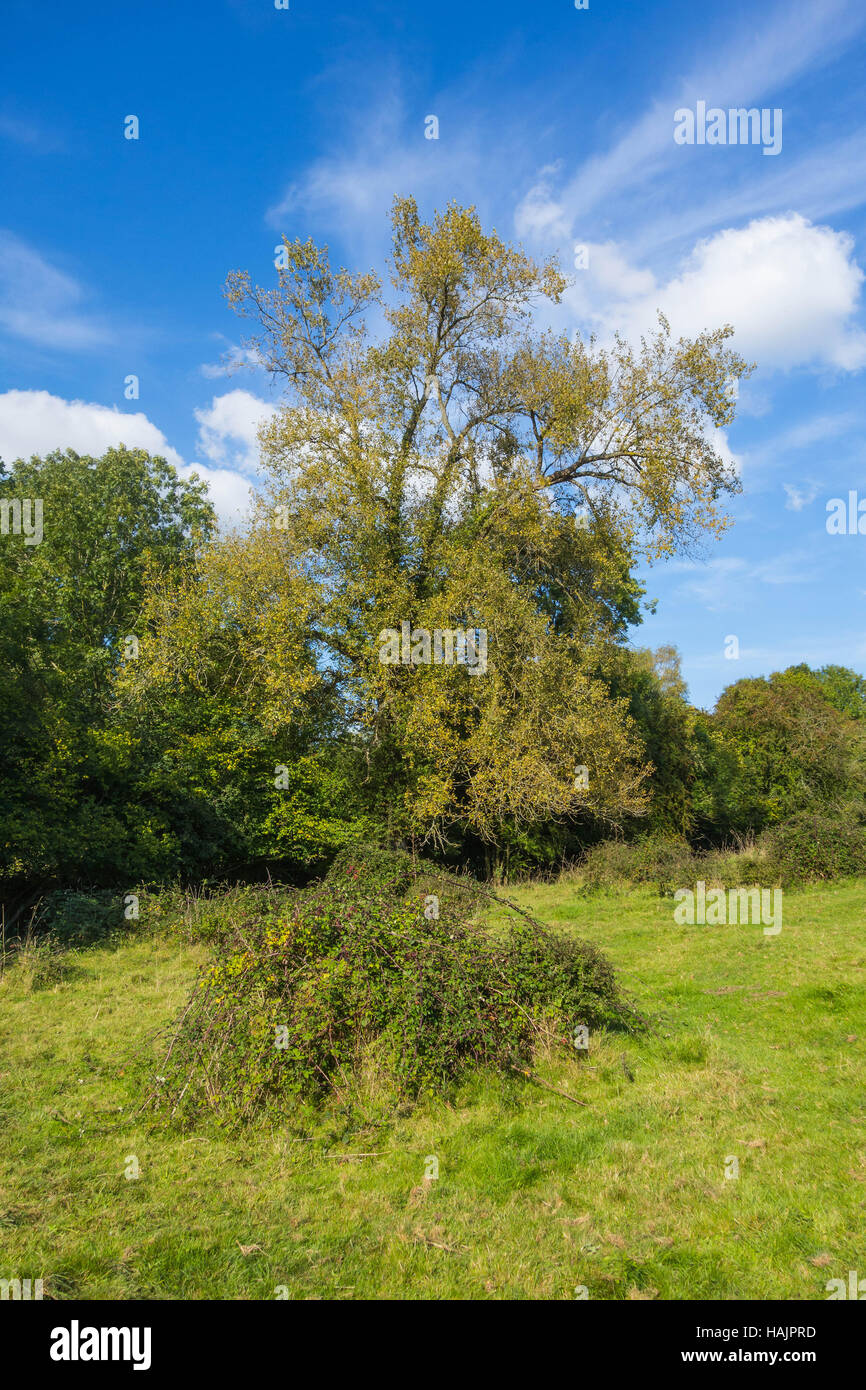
(538, 1082)
(340, 1157)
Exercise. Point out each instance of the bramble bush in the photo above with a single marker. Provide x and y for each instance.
(813, 846)
(366, 868)
(307, 1002)
(664, 860)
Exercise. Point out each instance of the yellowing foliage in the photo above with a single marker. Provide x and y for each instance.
(431, 475)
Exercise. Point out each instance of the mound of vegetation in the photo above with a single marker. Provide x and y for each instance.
(664, 860)
(813, 846)
(363, 979)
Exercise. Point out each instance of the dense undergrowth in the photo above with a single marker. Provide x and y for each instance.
(373, 987)
(808, 848)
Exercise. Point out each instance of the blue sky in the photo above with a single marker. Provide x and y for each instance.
(558, 125)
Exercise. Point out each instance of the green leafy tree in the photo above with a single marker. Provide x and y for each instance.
(68, 604)
(233, 719)
(656, 693)
(844, 688)
(462, 470)
(777, 746)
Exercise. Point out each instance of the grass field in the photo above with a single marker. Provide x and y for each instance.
(756, 1052)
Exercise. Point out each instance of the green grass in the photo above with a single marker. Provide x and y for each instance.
(756, 1051)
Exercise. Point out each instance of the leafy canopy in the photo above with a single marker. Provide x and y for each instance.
(431, 472)
(67, 606)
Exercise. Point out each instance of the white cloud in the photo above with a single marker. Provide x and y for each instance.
(718, 438)
(798, 498)
(612, 275)
(229, 492)
(233, 360)
(40, 303)
(540, 216)
(228, 429)
(35, 422)
(790, 289)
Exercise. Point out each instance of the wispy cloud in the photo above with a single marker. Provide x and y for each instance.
(753, 66)
(725, 582)
(235, 358)
(823, 438)
(815, 651)
(33, 135)
(22, 132)
(819, 184)
(351, 190)
(42, 304)
(800, 497)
